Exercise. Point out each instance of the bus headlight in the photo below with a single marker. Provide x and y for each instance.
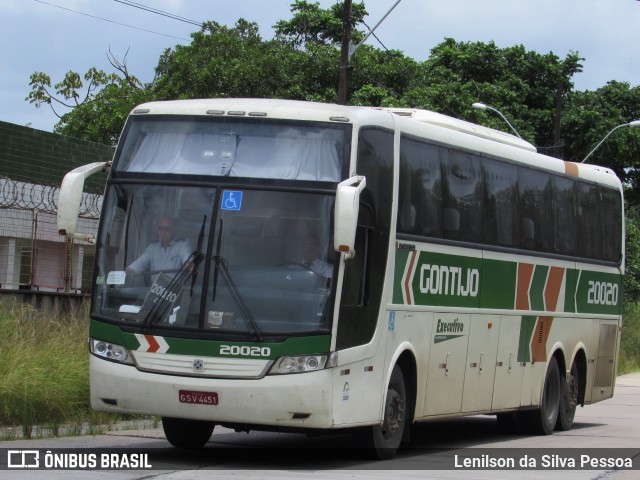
(298, 364)
(109, 351)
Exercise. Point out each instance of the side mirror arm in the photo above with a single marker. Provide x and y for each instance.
(70, 198)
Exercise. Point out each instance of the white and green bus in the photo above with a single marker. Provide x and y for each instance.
(456, 272)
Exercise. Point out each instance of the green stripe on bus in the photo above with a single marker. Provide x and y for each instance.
(318, 344)
(112, 333)
(524, 344)
(599, 293)
(401, 264)
(571, 285)
(536, 291)
(470, 282)
(498, 286)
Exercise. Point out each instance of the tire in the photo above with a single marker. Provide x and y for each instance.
(382, 441)
(542, 421)
(183, 433)
(569, 400)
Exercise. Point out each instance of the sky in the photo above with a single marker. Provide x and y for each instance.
(55, 36)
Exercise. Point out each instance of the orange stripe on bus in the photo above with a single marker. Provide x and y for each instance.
(571, 168)
(552, 290)
(539, 340)
(525, 271)
(154, 346)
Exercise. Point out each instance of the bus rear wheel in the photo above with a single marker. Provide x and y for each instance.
(382, 441)
(543, 420)
(183, 433)
(569, 400)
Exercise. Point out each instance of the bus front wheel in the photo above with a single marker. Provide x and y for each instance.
(183, 433)
(382, 441)
(542, 421)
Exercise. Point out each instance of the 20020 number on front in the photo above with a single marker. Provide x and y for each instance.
(244, 351)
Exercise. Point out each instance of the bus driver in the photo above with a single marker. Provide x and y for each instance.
(167, 254)
(311, 257)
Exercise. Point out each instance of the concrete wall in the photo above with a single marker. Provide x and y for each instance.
(48, 302)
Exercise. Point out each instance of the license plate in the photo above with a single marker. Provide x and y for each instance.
(201, 398)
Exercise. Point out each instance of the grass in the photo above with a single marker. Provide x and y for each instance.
(630, 340)
(44, 367)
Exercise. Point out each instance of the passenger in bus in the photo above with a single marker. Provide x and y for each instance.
(311, 257)
(168, 254)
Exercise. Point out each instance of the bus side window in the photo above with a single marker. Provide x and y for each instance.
(462, 189)
(564, 216)
(611, 206)
(535, 204)
(501, 214)
(528, 235)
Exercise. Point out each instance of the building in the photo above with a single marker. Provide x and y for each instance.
(33, 256)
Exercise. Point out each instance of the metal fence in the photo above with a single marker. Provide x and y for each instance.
(33, 256)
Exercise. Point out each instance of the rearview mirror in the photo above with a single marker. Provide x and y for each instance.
(70, 198)
(346, 214)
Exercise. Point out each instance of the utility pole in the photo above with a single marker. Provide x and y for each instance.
(343, 79)
(348, 49)
(557, 133)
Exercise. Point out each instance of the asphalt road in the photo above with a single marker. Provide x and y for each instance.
(607, 432)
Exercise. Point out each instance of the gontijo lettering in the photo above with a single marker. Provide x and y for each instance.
(446, 280)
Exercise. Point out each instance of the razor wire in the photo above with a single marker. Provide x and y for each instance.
(30, 196)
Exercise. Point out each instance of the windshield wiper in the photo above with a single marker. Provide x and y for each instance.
(190, 267)
(194, 271)
(221, 265)
(164, 302)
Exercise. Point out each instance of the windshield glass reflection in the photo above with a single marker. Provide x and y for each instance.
(255, 264)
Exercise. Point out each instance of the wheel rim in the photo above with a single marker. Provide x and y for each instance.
(572, 392)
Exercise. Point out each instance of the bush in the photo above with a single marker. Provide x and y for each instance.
(44, 366)
(630, 341)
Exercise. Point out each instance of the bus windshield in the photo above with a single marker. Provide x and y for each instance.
(246, 263)
(220, 147)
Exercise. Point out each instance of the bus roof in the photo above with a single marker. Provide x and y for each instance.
(463, 126)
(248, 107)
(500, 143)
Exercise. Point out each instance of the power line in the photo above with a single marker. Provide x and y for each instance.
(375, 36)
(158, 12)
(111, 21)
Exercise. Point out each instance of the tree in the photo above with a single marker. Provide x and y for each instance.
(302, 61)
(382, 78)
(99, 107)
(590, 115)
(236, 62)
(632, 251)
(522, 84)
(312, 25)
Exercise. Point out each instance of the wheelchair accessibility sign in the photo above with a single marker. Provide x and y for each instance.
(231, 200)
